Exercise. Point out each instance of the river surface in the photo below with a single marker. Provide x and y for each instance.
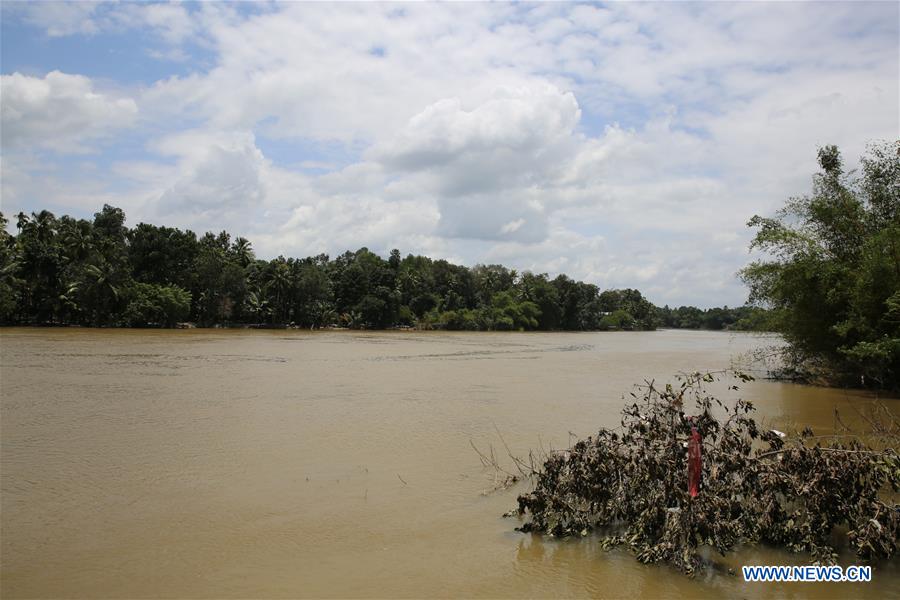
(225, 464)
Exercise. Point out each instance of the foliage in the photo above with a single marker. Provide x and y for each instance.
(833, 272)
(8, 280)
(75, 271)
(641, 312)
(618, 319)
(742, 318)
(152, 304)
(630, 485)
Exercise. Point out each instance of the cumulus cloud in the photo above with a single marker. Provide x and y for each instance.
(59, 112)
(218, 178)
(488, 165)
(529, 122)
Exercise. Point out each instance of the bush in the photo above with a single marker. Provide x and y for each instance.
(617, 320)
(150, 304)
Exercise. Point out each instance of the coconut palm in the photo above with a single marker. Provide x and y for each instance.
(77, 241)
(243, 251)
(100, 290)
(257, 306)
(280, 284)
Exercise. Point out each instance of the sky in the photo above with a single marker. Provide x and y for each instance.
(624, 144)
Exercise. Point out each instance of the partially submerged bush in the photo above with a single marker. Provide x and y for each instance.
(630, 485)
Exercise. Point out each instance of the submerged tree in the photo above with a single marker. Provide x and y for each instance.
(631, 485)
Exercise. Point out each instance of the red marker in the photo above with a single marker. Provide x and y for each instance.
(694, 464)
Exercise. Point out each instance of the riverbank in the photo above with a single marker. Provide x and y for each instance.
(425, 327)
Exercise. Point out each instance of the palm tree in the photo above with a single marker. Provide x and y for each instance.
(280, 283)
(323, 314)
(243, 251)
(44, 226)
(68, 302)
(22, 221)
(101, 289)
(257, 305)
(77, 241)
(352, 319)
(39, 263)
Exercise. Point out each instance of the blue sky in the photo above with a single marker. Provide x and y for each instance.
(626, 144)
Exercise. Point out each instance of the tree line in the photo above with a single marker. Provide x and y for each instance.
(63, 270)
(740, 318)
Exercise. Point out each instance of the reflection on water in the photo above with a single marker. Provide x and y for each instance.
(269, 464)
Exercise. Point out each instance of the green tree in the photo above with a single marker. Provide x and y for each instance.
(538, 290)
(98, 291)
(832, 274)
(69, 270)
(242, 251)
(491, 279)
(151, 304)
(618, 319)
(162, 255)
(9, 283)
(280, 288)
(38, 264)
(642, 312)
(509, 313)
(219, 281)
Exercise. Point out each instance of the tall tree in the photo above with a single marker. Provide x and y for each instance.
(833, 270)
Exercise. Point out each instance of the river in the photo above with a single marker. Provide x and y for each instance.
(235, 463)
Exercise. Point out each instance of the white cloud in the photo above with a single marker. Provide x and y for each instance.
(172, 22)
(525, 123)
(512, 226)
(626, 144)
(490, 164)
(226, 178)
(59, 19)
(60, 112)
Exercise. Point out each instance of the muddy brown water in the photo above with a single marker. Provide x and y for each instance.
(209, 463)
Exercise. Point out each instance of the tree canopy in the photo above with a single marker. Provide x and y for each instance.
(832, 271)
(101, 272)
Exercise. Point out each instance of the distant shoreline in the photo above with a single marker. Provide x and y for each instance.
(283, 327)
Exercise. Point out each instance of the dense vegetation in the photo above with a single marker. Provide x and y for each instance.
(100, 272)
(631, 485)
(742, 318)
(833, 273)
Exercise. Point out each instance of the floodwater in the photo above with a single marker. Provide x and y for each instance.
(225, 464)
